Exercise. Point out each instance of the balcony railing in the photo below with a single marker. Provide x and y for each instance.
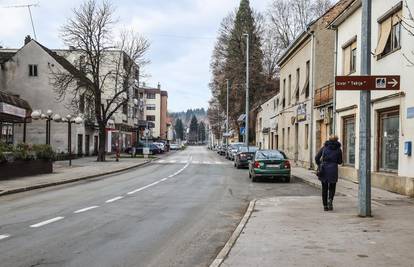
(324, 95)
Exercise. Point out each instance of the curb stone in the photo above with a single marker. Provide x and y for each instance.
(230, 243)
(29, 188)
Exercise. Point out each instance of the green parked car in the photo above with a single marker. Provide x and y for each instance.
(270, 164)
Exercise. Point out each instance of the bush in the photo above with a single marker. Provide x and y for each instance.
(44, 152)
(23, 152)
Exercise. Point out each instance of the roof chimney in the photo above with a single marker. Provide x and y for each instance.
(159, 86)
(27, 39)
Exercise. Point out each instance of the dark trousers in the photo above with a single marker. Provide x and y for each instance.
(328, 189)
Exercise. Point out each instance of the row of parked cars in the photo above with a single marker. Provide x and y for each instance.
(261, 163)
(154, 148)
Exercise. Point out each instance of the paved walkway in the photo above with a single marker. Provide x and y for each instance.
(295, 231)
(81, 169)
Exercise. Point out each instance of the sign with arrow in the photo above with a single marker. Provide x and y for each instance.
(356, 83)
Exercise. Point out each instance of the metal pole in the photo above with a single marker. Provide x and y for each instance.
(247, 91)
(24, 129)
(47, 130)
(70, 141)
(365, 116)
(31, 19)
(227, 113)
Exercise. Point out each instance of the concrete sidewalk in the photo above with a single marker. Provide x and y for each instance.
(81, 169)
(295, 231)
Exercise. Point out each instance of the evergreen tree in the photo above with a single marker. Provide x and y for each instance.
(201, 132)
(179, 129)
(193, 135)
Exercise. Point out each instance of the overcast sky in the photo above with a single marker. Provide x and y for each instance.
(182, 35)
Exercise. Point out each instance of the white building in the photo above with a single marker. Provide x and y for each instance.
(392, 118)
(267, 124)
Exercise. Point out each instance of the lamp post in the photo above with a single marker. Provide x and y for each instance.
(69, 120)
(247, 90)
(36, 115)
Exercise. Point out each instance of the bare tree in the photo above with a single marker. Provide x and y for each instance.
(288, 18)
(108, 69)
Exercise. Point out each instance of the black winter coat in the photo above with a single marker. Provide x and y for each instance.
(332, 156)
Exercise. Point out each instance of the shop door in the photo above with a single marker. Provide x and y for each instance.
(296, 141)
(87, 144)
(80, 145)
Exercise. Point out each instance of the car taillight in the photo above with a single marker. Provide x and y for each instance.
(287, 165)
(257, 164)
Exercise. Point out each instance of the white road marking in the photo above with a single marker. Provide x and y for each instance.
(196, 162)
(206, 162)
(183, 162)
(86, 209)
(142, 188)
(170, 176)
(46, 222)
(4, 236)
(161, 161)
(164, 179)
(113, 199)
(218, 162)
(172, 161)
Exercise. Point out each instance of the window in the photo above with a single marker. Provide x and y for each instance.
(297, 85)
(150, 118)
(33, 70)
(289, 89)
(284, 93)
(288, 139)
(283, 139)
(306, 86)
(388, 140)
(125, 108)
(151, 95)
(151, 107)
(82, 103)
(349, 140)
(306, 136)
(389, 33)
(349, 56)
(274, 104)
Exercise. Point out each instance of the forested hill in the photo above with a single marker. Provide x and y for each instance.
(186, 116)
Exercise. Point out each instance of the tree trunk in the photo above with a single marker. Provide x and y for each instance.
(102, 143)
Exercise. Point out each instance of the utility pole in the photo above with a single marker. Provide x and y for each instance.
(246, 130)
(227, 113)
(364, 195)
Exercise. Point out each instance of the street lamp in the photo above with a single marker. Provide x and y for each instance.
(36, 115)
(247, 90)
(69, 120)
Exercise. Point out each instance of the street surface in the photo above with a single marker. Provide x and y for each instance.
(178, 211)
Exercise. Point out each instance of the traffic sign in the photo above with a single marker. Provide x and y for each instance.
(356, 83)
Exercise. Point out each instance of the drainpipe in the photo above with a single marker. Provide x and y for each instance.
(311, 93)
(334, 88)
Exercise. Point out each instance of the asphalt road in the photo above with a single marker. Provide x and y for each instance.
(179, 211)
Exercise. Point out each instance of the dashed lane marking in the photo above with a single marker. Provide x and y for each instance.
(113, 199)
(86, 209)
(4, 236)
(46, 222)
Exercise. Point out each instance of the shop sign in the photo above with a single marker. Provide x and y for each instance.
(12, 110)
(301, 113)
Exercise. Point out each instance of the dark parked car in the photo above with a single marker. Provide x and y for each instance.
(270, 164)
(243, 156)
(232, 150)
(154, 149)
(222, 150)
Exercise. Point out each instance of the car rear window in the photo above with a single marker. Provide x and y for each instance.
(251, 149)
(270, 154)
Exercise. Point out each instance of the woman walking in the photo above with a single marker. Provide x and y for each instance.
(327, 160)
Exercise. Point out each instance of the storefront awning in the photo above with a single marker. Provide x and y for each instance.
(13, 109)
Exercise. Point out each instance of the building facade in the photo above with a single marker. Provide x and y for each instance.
(267, 124)
(392, 118)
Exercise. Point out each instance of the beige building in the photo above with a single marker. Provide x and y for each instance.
(392, 112)
(155, 110)
(267, 124)
(306, 70)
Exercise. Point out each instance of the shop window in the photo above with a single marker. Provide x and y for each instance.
(388, 140)
(389, 32)
(349, 140)
(349, 56)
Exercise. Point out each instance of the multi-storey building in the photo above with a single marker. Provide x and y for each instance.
(267, 124)
(392, 119)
